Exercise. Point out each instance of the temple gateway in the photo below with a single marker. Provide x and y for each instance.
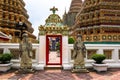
(53, 37)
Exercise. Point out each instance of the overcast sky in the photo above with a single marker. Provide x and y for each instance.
(38, 10)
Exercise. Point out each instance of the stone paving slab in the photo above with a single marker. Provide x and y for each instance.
(111, 74)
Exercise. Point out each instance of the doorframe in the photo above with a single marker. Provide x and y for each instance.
(47, 50)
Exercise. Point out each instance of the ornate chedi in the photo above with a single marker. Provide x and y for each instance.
(98, 21)
(69, 18)
(12, 12)
(53, 25)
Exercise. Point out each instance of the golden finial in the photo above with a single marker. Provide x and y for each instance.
(53, 9)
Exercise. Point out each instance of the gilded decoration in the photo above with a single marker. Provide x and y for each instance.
(53, 25)
(95, 38)
(104, 37)
(115, 37)
(51, 30)
(119, 37)
(87, 38)
(12, 12)
(109, 37)
(103, 18)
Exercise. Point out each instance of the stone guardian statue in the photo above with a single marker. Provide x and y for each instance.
(79, 55)
(25, 54)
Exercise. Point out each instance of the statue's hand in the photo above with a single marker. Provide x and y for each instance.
(20, 53)
(30, 56)
(73, 57)
(84, 55)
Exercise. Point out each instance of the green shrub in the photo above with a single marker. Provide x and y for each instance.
(0, 57)
(98, 58)
(5, 58)
(71, 40)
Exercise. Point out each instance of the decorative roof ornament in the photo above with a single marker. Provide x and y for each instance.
(53, 25)
(53, 9)
(54, 19)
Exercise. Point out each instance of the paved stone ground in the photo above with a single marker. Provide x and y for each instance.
(111, 74)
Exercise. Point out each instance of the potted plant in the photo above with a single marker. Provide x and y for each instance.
(5, 59)
(99, 65)
(71, 40)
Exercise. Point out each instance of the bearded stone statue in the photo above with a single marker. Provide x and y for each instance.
(25, 54)
(79, 55)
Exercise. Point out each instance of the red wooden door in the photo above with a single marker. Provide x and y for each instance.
(53, 49)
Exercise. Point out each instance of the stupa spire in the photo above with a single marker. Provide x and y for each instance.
(75, 6)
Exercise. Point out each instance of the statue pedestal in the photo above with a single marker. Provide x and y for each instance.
(24, 71)
(80, 70)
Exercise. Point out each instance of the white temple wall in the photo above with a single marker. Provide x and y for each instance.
(65, 54)
(42, 53)
(40, 50)
(16, 62)
(114, 62)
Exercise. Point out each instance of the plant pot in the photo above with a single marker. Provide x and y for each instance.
(5, 67)
(100, 67)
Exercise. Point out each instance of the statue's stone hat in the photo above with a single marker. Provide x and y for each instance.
(25, 35)
(79, 35)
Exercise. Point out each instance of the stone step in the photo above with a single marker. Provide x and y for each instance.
(53, 67)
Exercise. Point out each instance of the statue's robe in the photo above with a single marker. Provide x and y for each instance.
(79, 54)
(26, 54)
